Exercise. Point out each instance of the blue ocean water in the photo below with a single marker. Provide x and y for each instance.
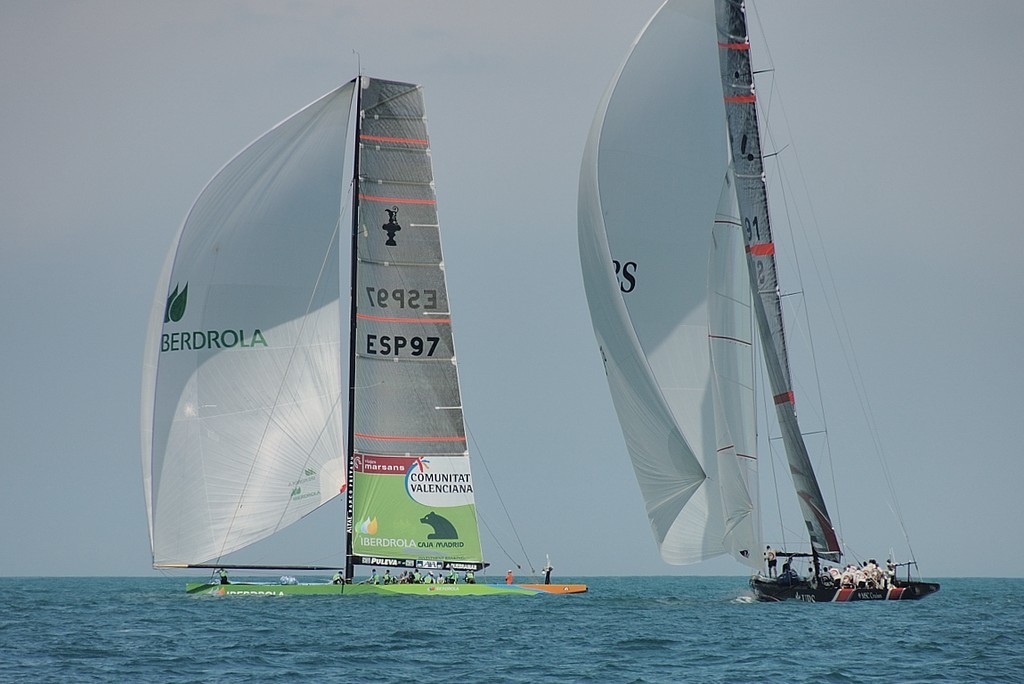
(626, 629)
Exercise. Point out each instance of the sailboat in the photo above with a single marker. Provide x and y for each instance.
(679, 269)
(266, 393)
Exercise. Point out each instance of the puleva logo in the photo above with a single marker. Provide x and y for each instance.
(176, 303)
(368, 526)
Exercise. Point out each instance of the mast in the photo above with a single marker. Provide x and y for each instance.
(350, 436)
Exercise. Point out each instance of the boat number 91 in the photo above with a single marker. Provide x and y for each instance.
(625, 273)
(753, 237)
(399, 345)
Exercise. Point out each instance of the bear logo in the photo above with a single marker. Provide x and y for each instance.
(443, 528)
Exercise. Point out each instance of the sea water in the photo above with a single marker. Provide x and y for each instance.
(625, 629)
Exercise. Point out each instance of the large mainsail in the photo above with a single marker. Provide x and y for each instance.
(651, 194)
(412, 489)
(242, 420)
(745, 145)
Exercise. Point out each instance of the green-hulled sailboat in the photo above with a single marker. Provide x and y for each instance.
(267, 394)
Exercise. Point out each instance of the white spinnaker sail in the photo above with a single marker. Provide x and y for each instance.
(650, 183)
(242, 420)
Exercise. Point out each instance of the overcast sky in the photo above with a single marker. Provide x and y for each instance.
(903, 117)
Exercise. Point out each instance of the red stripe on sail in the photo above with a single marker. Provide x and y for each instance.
(740, 99)
(831, 541)
(785, 397)
(396, 438)
(384, 319)
(397, 200)
(764, 249)
(382, 138)
(734, 46)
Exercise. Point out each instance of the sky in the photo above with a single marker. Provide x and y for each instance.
(114, 115)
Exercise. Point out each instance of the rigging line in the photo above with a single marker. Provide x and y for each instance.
(787, 205)
(845, 338)
(771, 451)
(840, 324)
(512, 524)
(494, 537)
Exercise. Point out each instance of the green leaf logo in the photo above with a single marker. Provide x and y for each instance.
(176, 304)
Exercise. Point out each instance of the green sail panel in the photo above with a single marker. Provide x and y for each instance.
(416, 508)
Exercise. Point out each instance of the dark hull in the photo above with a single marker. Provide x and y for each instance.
(770, 589)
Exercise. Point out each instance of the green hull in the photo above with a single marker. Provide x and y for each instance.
(355, 589)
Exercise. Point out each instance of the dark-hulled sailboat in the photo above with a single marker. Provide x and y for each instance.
(679, 268)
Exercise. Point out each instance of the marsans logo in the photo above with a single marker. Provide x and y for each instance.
(176, 303)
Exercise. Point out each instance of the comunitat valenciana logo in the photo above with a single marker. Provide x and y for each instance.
(195, 340)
